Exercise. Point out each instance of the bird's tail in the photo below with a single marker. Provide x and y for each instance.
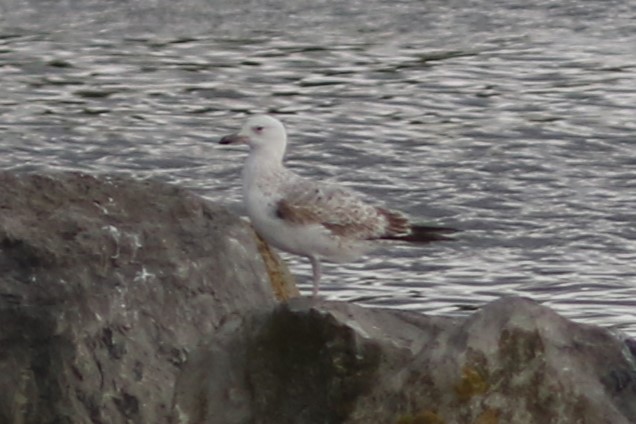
(424, 234)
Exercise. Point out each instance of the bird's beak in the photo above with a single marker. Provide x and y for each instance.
(234, 139)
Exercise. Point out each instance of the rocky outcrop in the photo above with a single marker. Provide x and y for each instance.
(106, 285)
(328, 362)
(126, 301)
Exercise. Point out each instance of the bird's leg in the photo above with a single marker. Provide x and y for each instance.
(316, 270)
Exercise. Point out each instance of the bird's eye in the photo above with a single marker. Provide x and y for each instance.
(259, 129)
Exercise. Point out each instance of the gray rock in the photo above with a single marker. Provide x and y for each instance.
(127, 301)
(328, 362)
(106, 286)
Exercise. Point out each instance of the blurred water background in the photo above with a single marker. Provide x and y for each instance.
(513, 120)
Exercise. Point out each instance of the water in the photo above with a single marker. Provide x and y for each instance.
(512, 121)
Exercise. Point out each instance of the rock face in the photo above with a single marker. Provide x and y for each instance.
(513, 362)
(106, 285)
(136, 302)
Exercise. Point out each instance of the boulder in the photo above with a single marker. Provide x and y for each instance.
(514, 361)
(125, 301)
(106, 285)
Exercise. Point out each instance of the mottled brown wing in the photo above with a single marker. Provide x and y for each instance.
(339, 211)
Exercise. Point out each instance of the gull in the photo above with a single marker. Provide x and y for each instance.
(311, 218)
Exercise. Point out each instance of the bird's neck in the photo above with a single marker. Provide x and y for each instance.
(262, 165)
(267, 157)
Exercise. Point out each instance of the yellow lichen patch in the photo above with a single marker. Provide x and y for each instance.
(281, 279)
(489, 416)
(471, 384)
(424, 417)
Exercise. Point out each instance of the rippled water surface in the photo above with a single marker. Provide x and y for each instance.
(515, 122)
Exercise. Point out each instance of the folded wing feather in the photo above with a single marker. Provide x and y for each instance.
(341, 212)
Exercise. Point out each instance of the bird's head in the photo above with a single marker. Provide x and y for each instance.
(260, 132)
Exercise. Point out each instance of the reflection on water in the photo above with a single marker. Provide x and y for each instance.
(512, 121)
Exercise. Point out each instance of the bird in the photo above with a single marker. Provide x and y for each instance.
(315, 219)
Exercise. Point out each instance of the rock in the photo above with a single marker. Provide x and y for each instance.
(107, 284)
(127, 301)
(514, 361)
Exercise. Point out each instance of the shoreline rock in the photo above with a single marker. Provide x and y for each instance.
(107, 284)
(514, 361)
(135, 301)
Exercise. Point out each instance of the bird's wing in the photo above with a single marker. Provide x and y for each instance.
(340, 211)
